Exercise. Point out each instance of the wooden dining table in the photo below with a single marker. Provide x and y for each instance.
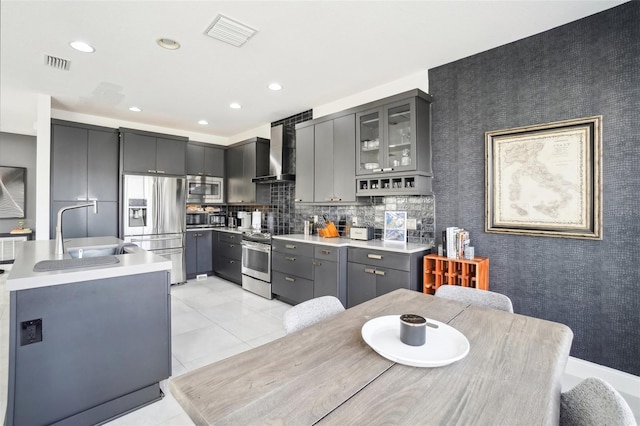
(327, 374)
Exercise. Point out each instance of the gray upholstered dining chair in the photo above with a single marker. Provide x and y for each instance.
(310, 312)
(594, 402)
(489, 299)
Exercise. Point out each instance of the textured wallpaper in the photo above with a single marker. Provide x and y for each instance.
(585, 68)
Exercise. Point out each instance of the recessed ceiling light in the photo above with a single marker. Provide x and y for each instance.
(203, 122)
(235, 105)
(168, 43)
(82, 46)
(134, 109)
(275, 86)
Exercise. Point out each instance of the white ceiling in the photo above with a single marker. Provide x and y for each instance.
(320, 51)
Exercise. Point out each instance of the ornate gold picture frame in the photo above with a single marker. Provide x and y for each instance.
(545, 179)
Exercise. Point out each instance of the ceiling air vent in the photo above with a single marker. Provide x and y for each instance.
(230, 31)
(59, 63)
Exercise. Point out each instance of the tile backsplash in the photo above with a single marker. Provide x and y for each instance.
(284, 216)
(371, 213)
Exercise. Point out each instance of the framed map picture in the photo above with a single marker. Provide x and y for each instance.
(395, 226)
(545, 179)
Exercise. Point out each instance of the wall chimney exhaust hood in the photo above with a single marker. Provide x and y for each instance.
(282, 156)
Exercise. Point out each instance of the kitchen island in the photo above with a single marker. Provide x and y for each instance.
(89, 343)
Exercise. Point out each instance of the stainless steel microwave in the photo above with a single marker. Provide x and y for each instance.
(205, 190)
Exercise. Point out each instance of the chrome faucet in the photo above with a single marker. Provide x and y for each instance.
(59, 245)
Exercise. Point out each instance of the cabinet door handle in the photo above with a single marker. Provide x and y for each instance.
(200, 173)
(291, 258)
(289, 279)
(232, 245)
(151, 171)
(374, 256)
(289, 246)
(370, 270)
(387, 169)
(232, 261)
(377, 170)
(325, 252)
(379, 272)
(160, 171)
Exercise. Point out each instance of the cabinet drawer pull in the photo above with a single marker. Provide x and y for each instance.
(317, 263)
(387, 169)
(292, 259)
(379, 272)
(232, 245)
(377, 170)
(232, 261)
(160, 171)
(290, 246)
(151, 171)
(325, 252)
(374, 256)
(200, 173)
(370, 271)
(289, 279)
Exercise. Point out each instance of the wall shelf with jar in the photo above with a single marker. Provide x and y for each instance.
(393, 185)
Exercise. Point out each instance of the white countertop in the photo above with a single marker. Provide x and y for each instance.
(219, 228)
(347, 242)
(22, 277)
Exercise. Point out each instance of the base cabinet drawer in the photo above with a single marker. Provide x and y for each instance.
(290, 287)
(231, 250)
(292, 248)
(230, 269)
(380, 258)
(293, 264)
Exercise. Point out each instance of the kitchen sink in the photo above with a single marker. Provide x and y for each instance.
(84, 252)
(91, 252)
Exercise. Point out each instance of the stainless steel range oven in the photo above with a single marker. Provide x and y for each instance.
(256, 263)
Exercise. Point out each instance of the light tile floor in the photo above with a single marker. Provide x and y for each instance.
(211, 320)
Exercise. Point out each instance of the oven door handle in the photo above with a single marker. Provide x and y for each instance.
(256, 246)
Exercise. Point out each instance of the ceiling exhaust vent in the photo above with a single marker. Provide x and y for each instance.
(58, 63)
(230, 31)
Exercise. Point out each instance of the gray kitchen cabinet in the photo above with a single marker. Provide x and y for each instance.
(84, 167)
(292, 271)
(334, 160)
(372, 273)
(303, 271)
(150, 153)
(328, 147)
(205, 160)
(228, 256)
(305, 167)
(245, 161)
(395, 137)
(330, 272)
(199, 253)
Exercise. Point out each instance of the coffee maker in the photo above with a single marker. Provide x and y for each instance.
(244, 220)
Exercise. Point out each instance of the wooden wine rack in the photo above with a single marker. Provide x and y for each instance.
(439, 270)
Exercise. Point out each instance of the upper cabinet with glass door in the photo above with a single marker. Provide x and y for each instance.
(394, 138)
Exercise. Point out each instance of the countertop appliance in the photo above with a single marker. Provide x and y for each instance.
(205, 190)
(244, 220)
(256, 263)
(364, 233)
(202, 219)
(153, 217)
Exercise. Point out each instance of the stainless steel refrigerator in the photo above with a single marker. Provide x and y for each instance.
(153, 217)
